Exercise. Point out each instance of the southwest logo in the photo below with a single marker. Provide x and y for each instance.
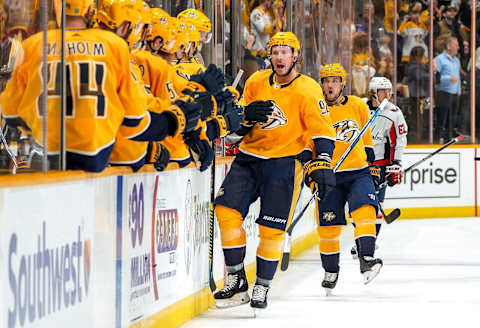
(347, 130)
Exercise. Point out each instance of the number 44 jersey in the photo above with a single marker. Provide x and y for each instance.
(101, 94)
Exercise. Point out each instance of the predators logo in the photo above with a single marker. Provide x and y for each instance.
(347, 130)
(276, 119)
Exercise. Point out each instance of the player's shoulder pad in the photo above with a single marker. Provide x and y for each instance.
(391, 107)
(309, 85)
(356, 101)
(108, 37)
(259, 76)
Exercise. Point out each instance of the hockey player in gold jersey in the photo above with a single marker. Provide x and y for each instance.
(165, 81)
(349, 115)
(125, 19)
(102, 96)
(281, 106)
(154, 68)
(223, 120)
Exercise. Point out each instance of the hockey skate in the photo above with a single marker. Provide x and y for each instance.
(329, 282)
(259, 298)
(370, 267)
(235, 291)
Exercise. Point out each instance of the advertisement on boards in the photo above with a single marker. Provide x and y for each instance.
(137, 259)
(438, 177)
(46, 270)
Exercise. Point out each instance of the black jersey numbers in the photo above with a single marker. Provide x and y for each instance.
(87, 82)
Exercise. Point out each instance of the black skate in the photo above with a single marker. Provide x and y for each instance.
(369, 267)
(259, 297)
(329, 282)
(235, 291)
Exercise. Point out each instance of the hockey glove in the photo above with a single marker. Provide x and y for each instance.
(258, 111)
(319, 176)
(375, 173)
(395, 170)
(212, 79)
(205, 99)
(160, 156)
(184, 114)
(199, 149)
(224, 100)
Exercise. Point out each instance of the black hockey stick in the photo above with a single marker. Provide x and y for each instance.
(288, 236)
(395, 214)
(211, 218)
(389, 218)
(211, 224)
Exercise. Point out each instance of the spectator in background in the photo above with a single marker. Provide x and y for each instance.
(413, 32)
(262, 26)
(449, 26)
(363, 64)
(417, 79)
(448, 66)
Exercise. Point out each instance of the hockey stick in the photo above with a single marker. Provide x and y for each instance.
(389, 218)
(211, 225)
(395, 214)
(288, 236)
(211, 218)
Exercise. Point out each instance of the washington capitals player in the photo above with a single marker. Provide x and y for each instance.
(389, 133)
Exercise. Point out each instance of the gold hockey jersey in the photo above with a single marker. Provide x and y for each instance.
(165, 82)
(300, 112)
(349, 116)
(101, 93)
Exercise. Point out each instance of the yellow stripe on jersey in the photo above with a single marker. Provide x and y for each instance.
(300, 112)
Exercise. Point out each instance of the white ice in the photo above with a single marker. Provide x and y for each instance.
(430, 278)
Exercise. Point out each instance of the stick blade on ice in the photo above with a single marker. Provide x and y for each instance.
(395, 214)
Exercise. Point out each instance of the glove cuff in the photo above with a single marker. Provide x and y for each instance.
(177, 120)
(152, 152)
(222, 125)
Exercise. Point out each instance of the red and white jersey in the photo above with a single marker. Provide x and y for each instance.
(389, 134)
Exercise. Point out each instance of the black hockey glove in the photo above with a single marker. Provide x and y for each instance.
(224, 100)
(395, 176)
(258, 111)
(191, 114)
(199, 149)
(319, 176)
(233, 115)
(205, 100)
(212, 79)
(159, 155)
(375, 173)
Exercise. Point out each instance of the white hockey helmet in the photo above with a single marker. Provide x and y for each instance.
(378, 83)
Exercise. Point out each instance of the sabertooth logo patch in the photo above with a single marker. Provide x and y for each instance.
(347, 130)
(277, 118)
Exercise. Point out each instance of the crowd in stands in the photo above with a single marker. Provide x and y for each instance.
(451, 61)
(364, 35)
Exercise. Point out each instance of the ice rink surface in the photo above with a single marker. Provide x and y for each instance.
(430, 278)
